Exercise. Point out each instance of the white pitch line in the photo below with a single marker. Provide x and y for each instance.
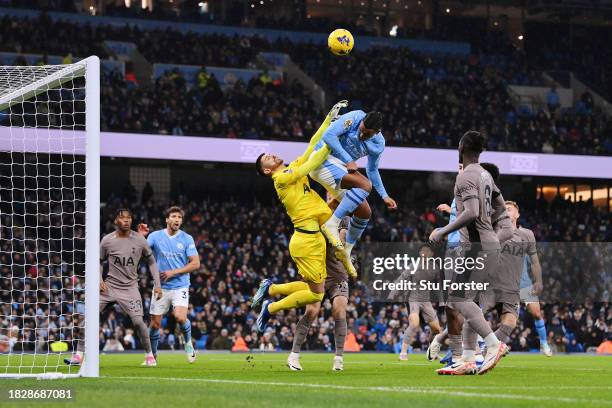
(407, 390)
(255, 360)
(408, 363)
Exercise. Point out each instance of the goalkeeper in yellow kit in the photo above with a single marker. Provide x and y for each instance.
(308, 213)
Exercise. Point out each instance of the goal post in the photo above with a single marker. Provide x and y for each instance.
(91, 366)
(49, 218)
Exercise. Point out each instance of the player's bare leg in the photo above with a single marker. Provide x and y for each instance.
(301, 331)
(414, 324)
(536, 312)
(180, 314)
(339, 305)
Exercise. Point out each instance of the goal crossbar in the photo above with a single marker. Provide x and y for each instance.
(54, 80)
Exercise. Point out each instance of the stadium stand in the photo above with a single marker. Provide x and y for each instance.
(441, 96)
(240, 239)
(253, 243)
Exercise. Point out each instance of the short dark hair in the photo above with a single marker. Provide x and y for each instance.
(492, 169)
(473, 141)
(258, 166)
(174, 209)
(373, 120)
(118, 212)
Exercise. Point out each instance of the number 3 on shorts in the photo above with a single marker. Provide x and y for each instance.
(184, 294)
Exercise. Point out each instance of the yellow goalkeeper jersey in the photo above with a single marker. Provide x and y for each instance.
(304, 206)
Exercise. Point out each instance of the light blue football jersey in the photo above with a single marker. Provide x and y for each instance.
(172, 252)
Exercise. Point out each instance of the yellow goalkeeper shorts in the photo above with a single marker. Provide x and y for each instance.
(308, 253)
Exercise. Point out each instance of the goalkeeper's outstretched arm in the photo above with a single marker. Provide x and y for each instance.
(292, 175)
(316, 138)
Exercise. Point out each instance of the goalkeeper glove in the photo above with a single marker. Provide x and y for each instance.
(333, 113)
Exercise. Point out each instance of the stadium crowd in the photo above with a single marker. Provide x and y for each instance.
(258, 109)
(440, 95)
(581, 49)
(240, 240)
(42, 251)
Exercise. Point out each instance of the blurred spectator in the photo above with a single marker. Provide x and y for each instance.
(222, 342)
(606, 346)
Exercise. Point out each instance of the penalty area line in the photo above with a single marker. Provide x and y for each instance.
(406, 390)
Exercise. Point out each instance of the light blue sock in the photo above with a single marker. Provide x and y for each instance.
(541, 329)
(186, 328)
(356, 228)
(350, 202)
(154, 336)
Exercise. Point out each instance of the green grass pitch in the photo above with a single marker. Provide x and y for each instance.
(256, 380)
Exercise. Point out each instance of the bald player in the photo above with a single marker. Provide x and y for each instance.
(123, 250)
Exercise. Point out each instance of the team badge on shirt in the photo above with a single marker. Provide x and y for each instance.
(348, 123)
(180, 246)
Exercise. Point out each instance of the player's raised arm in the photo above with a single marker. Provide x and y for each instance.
(333, 133)
(316, 138)
(292, 175)
(143, 229)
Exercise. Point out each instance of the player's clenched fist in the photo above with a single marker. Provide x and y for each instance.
(143, 229)
(390, 203)
(444, 208)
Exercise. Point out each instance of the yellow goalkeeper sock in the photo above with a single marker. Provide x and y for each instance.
(287, 288)
(295, 300)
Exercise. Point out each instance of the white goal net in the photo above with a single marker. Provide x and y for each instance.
(49, 218)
